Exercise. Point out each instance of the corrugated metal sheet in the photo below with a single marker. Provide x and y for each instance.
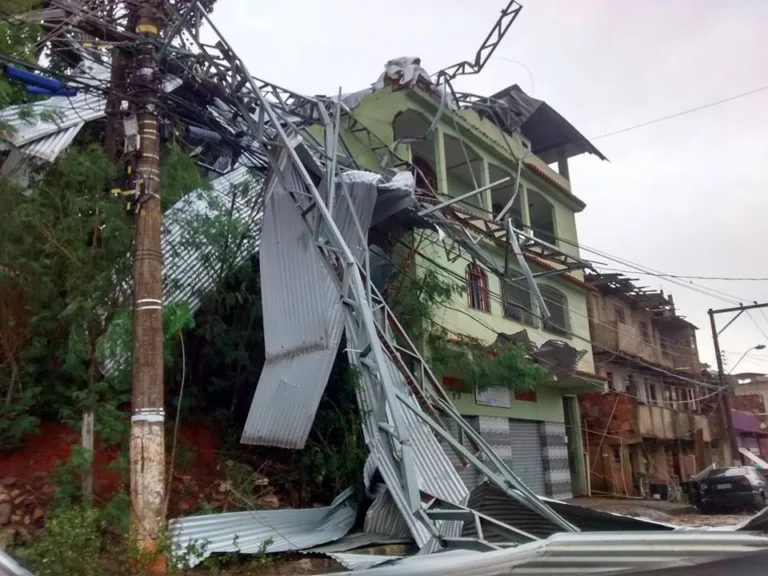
(9, 566)
(436, 476)
(247, 532)
(303, 313)
(190, 260)
(573, 553)
(357, 540)
(757, 523)
(469, 474)
(384, 517)
(58, 113)
(488, 499)
(303, 324)
(48, 148)
(46, 128)
(362, 561)
(492, 501)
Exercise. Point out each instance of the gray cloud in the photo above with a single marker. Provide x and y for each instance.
(685, 196)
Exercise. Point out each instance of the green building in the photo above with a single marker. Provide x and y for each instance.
(455, 144)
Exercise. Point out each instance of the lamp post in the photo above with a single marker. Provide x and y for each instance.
(756, 347)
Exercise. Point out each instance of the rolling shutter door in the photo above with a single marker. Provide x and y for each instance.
(527, 455)
(469, 474)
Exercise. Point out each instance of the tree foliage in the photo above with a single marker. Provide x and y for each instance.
(416, 302)
(65, 246)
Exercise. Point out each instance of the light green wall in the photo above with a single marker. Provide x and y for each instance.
(460, 318)
(377, 112)
(548, 406)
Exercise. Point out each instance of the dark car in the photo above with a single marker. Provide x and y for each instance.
(731, 488)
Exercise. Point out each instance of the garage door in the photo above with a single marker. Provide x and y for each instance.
(527, 455)
(469, 474)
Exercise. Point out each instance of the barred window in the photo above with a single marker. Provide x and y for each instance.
(477, 288)
(557, 304)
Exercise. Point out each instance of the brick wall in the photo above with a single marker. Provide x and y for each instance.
(596, 409)
(753, 403)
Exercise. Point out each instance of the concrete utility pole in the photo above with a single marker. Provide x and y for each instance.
(725, 398)
(147, 447)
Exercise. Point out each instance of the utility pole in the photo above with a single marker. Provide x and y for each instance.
(147, 443)
(725, 398)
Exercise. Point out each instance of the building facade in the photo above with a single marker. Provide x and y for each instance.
(656, 422)
(452, 150)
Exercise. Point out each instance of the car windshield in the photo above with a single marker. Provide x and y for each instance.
(729, 472)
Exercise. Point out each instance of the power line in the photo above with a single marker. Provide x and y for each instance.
(711, 292)
(757, 325)
(682, 113)
(491, 329)
(500, 298)
(452, 274)
(684, 277)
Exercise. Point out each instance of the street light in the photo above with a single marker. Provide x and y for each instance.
(757, 347)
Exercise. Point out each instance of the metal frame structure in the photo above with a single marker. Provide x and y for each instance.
(487, 48)
(270, 122)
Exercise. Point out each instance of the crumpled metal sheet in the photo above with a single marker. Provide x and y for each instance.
(9, 566)
(488, 499)
(757, 523)
(356, 540)
(249, 532)
(437, 477)
(406, 71)
(190, 259)
(579, 553)
(303, 313)
(361, 561)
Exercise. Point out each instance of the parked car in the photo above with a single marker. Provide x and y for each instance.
(731, 488)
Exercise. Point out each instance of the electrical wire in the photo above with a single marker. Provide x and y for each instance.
(756, 324)
(500, 299)
(681, 113)
(685, 277)
(587, 340)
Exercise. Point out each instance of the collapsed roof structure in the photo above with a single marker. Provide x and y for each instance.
(309, 209)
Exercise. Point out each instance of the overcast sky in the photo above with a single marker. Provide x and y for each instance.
(686, 196)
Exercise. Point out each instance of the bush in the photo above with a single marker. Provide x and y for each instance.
(70, 546)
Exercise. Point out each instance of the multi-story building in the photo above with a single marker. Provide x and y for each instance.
(749, 414)
(453, 148)
(656, 421)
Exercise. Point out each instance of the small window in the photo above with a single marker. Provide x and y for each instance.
(644, 335)
(557, 304)
(619, 312)
(477, 288)
(525, 395)
(664, 344)
(653, 394)
(518, 303)
(609, 379)
(617, 455)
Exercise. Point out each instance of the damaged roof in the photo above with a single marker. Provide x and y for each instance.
(546, 129)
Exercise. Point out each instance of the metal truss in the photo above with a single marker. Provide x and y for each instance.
(487, 48)
(273, 121)
(437, 407)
